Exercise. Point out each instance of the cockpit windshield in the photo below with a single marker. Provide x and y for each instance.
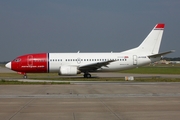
(17, 60)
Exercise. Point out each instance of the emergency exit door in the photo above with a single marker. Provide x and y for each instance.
(134, 59)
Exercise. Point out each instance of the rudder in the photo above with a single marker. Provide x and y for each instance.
(151, 43)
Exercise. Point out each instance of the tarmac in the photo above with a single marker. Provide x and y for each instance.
(91, 101)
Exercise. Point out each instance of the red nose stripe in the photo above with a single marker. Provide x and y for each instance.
(31, 63)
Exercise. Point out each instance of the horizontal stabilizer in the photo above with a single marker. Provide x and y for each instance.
(160, 54)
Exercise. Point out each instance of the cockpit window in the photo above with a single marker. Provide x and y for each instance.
(17, 60)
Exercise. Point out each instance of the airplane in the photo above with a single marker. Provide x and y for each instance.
(69, 64)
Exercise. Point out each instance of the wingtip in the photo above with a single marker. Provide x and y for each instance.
(173, 51)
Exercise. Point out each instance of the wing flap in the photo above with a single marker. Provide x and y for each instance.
(94, 66)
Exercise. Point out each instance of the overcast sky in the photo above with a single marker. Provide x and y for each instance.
(33, 26)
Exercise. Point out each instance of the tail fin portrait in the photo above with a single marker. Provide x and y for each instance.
(151, 43)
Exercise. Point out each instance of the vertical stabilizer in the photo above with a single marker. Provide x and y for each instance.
(152, 42)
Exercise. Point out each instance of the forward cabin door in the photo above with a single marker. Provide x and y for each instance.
(30, 60)
(134, 59)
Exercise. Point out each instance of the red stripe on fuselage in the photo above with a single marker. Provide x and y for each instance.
(31, 63)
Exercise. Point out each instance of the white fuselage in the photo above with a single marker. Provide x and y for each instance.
(122, 61)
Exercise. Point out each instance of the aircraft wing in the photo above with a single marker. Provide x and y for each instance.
(94, 66)
(160, 54)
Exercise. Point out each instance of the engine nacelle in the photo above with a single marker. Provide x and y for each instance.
(68, 70)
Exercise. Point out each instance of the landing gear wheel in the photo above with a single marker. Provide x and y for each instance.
(25, 76)
(87, 75)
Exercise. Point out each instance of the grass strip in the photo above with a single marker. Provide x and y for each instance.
(151, 79)
(14, 82)
(153, 70)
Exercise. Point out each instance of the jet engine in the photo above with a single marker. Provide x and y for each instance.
(68, 70)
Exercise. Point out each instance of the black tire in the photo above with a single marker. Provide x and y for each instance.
(88, 75)
(25, 76)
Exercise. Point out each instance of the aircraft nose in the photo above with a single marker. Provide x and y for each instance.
(8, 65)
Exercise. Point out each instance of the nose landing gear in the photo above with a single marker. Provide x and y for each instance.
(24, 74)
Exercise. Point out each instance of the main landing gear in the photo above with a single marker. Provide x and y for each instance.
(87, 75)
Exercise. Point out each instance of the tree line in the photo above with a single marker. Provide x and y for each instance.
(171, 59)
